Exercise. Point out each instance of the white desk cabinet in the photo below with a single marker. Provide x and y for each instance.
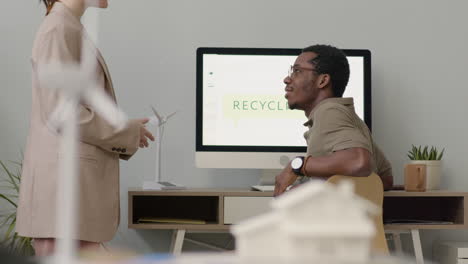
(451, 252)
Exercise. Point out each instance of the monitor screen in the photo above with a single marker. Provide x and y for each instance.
(242, 112)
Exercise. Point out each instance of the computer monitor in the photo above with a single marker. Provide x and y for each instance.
(242, 117)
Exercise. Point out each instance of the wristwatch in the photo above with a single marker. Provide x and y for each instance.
(297, 164)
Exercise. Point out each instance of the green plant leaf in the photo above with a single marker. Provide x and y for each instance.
(441, 154)
(10, 230)
(10, 240)
(8, 200)
(7, 219)
(10, 175)
(25, 246)
(425, 153)
(8, 184)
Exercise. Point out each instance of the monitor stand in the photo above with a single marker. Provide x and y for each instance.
(267, 180)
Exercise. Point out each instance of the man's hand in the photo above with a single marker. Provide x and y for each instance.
(284, 180)
(144, 133)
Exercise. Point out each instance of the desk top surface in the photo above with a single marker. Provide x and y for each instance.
(201, 191)
(243, 191)
(437, 193)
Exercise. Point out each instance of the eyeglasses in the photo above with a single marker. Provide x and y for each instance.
(294, 70)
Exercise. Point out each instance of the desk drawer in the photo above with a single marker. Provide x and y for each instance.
(237, 208)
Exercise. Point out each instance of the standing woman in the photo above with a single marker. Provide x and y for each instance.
(61, 38)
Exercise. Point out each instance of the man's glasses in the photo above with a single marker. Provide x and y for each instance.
(295, 70)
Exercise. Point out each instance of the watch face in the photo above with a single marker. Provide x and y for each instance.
(296, 163)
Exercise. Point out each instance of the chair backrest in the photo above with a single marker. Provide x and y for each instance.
(370, 188)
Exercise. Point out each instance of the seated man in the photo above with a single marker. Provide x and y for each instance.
(338, 141)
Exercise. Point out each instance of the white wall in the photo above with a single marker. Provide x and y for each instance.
(419, 68)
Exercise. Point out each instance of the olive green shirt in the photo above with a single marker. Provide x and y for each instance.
(334, 125)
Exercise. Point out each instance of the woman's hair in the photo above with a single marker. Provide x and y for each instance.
(48, 4)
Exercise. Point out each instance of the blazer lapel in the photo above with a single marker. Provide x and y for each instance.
(103, 64)
(106, 72)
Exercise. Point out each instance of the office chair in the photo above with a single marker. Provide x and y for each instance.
(370, 188)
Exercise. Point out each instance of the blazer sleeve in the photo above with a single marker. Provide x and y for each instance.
(60, 45)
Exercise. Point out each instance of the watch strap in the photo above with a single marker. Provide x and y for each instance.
(304, 165)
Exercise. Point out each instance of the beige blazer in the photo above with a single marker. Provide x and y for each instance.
(100, 146)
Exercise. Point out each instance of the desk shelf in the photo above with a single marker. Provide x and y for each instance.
(436, 209)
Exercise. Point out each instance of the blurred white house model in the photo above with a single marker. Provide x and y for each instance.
(317, 221)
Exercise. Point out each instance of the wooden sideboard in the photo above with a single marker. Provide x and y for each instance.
(219, 208)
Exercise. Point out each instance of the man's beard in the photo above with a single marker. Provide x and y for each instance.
(292, 106)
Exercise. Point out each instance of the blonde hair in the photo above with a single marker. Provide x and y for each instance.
(49, 4)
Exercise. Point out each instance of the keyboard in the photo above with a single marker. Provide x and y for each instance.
(263, 188)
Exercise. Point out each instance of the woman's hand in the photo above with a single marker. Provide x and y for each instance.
(144, 133)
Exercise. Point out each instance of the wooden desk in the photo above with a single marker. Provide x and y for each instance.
(219, 208)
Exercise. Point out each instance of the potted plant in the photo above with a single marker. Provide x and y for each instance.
(432, 158)
(9, 190)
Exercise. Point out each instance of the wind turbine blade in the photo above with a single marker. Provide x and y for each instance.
(88, 56)
(60, 114)
(65, 251)
(59, 76)
(169, 116)
(105, 107)
(67, 201)
(156, 113)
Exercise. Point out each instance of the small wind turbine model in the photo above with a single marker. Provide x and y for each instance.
(159, 121)
(75, 82)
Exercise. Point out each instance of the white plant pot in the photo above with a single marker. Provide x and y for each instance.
(433, 172)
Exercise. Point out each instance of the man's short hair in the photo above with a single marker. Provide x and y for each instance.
(331, 60)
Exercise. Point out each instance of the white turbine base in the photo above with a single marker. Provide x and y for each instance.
(152, 185)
